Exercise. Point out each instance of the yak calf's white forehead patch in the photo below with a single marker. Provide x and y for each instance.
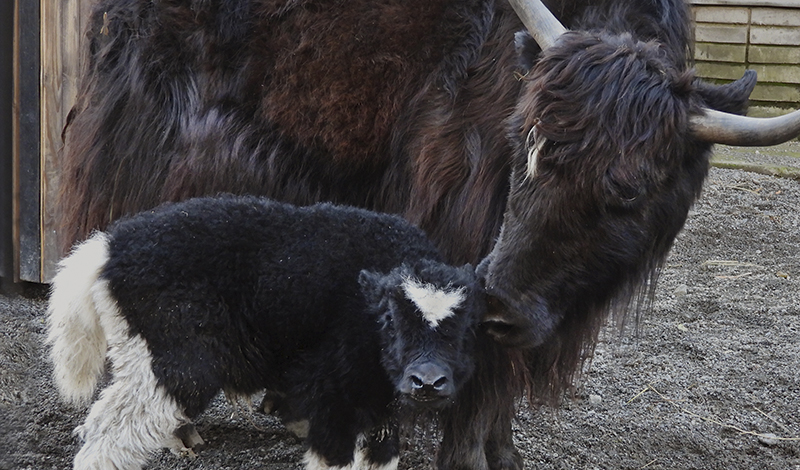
(435, 303)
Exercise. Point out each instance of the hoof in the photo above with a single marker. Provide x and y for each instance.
(271, 402)
(505, 459)
(298, 428)
(189, 438)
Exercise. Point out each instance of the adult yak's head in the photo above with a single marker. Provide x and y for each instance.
(428, 317)
(612, 142)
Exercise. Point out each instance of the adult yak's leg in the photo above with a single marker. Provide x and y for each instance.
(477, 428)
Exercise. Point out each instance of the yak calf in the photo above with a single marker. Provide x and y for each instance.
(339, 309)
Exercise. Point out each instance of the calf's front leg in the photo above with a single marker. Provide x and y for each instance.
(336, 443)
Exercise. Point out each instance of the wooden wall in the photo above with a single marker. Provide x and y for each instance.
(763, 35)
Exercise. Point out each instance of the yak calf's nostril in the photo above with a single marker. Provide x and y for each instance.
(417, 382)
(428, 379)
(440, 384)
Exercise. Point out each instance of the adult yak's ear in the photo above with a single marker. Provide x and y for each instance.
(527, 51)
(732, 97)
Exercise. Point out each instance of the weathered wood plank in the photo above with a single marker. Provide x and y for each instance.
(61, 35)
(774, 55)
(730, 34)
(720, 52)
(776, 16)
(760, 34)
(777, 73)
(775, 35)
(748, 3)
(722, 15)
(776, 93)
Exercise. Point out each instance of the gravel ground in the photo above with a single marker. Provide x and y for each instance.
(708, 379)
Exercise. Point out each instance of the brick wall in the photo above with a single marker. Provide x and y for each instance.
(764, 35)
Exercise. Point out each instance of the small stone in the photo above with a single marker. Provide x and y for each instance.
(782, 274)
(681, 290)
(595, 399)
(768, 439)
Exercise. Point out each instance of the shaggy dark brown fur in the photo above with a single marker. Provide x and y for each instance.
(611, 172)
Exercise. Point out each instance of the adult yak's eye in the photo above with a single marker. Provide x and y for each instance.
(623, 188)
(627, 193)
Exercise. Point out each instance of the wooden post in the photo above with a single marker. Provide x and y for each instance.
(6, 137)
(27, 121)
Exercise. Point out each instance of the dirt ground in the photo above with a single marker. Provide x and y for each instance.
(708, 380)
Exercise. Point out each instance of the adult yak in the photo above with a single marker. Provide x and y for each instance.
(588, 156)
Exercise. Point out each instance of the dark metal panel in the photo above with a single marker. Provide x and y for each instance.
(28, 156)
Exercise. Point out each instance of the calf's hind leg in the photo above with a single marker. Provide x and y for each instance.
(133, 417)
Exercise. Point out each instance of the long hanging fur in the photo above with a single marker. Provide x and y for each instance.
(610, 173)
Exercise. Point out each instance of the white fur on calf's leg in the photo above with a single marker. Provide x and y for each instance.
(77, 340)
(362, 462)
(314, 461)
(134, 416)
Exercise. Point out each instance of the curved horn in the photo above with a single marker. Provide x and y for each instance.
(732, 129)
(543, 26)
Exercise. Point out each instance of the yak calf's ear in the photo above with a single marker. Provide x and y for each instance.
(378, 287)
(372, 285)
(468, 271)
(482, 269)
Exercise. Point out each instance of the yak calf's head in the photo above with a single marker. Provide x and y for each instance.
(605, 171)
(428, 317)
